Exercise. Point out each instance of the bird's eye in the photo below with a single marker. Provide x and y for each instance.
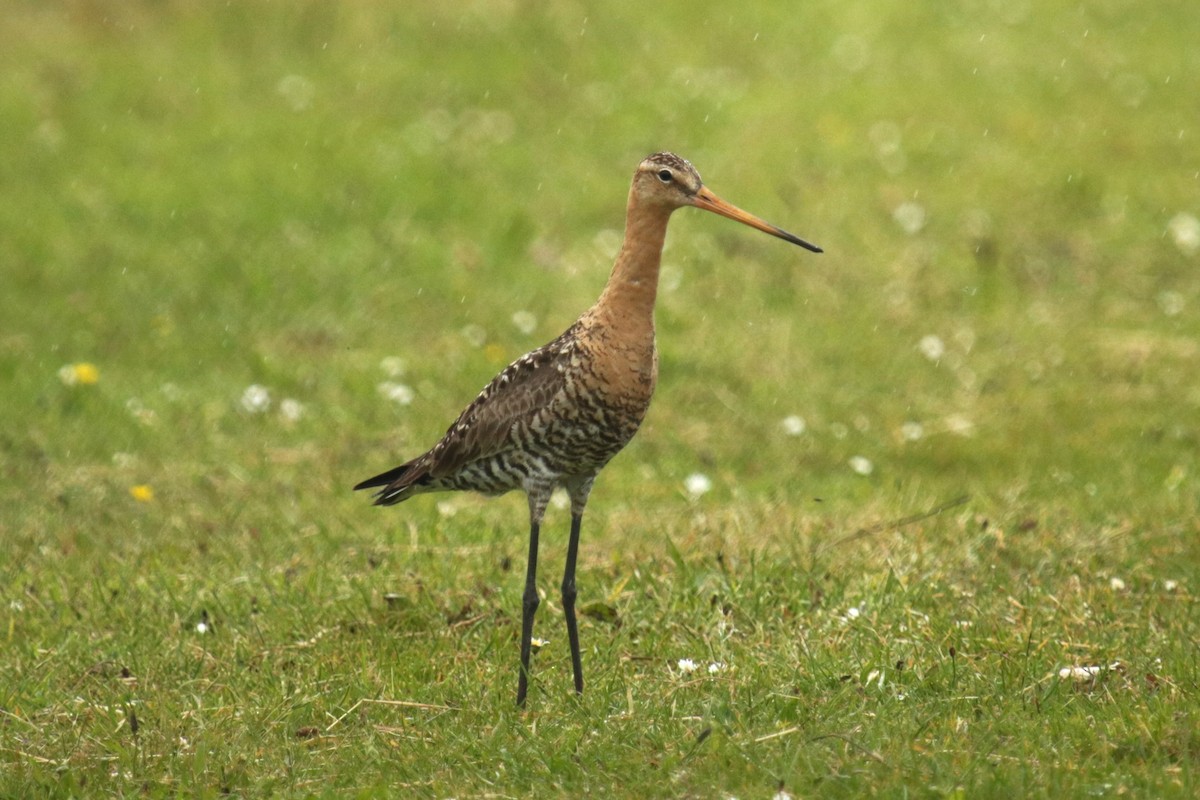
(664, 175)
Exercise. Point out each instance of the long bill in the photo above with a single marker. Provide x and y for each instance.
(708, 201)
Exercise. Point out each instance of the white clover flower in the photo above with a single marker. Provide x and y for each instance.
(794, 425)
(1171, 303)
(400, 393)
(910, 217)
(670, 278)
(697, 484)
(686, 666)
(393, 366)
(525, 321)
(862, 465)
(932, 347)
(256, 399)
(716, 667)
(1185, 231)
(291, 409)
(1089, 673)
(475, 334)
(960, 425)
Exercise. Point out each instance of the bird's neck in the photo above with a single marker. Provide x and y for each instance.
(628, 298)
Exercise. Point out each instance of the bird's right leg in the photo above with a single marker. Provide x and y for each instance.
(568, 601)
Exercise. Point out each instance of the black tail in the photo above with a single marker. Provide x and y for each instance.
(399, 483)
(384, 478)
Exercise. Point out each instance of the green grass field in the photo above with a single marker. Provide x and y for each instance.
(252, 253)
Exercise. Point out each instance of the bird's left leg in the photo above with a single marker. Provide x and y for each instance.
(579, 495)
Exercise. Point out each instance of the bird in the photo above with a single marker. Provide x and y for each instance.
(557, 415)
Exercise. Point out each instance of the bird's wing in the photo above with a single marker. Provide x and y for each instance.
(485, 427)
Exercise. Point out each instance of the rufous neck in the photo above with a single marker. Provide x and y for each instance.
(633, 285)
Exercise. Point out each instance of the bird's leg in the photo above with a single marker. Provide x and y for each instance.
(529, 605)
(578, 491)
(568, 601)
(530, 600)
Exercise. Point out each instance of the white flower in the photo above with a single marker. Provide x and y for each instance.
(525, 321)
(1170, 585)
(862, 465)
(794, 425)
(1088, 673)
(256, 399)
(291, 409)
(475, 334)
(910, 217)
(1171, 303)
(670, 278)
(912, 431)
(853, 612)
(1185, 231)
(697, 484)
(394, 366)
(716, 667)
(932, 347)
(201, 627)
(396, 392)
(960, 425)
(448, 508)
(1116, 584)
(686, 666)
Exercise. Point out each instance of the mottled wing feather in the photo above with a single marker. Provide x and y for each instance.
(485, 427)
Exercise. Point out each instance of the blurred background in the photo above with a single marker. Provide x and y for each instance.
(255, 252)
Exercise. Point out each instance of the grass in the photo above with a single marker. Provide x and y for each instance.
(196, 200)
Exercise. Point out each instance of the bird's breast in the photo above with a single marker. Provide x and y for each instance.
(615, 379)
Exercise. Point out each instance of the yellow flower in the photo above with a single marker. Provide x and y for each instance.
(494, 353)
(84, 373)
(142, 493)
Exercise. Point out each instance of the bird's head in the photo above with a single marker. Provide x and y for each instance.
(665, 179)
